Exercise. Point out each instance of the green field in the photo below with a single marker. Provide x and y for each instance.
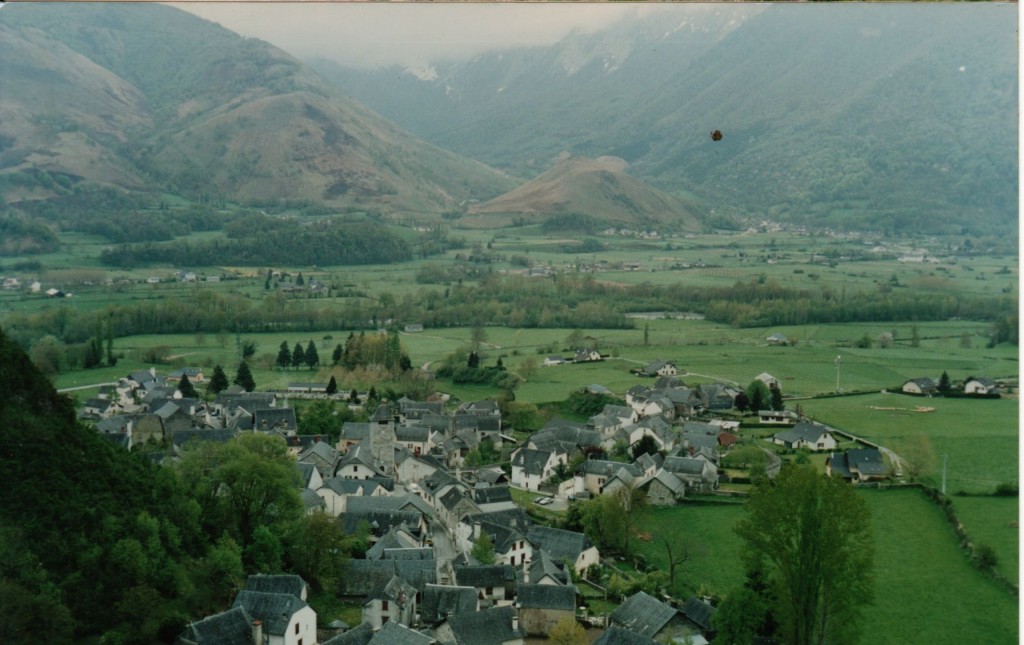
(924, 585)
(980, 437)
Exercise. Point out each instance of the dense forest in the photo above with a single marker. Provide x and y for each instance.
(97, 541)
(323, 243)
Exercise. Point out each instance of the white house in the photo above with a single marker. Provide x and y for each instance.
(980, 385)
(812, 436)
(532, 467)
(286, 620)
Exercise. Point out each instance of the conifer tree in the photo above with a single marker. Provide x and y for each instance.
(284, 356)
(332, 385)
(336, 354)
(298, 356)
(219, 380)
(186, 388)
(312, 356)
(244, 377)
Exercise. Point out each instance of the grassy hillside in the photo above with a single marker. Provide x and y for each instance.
(599, 188)
(149, 97)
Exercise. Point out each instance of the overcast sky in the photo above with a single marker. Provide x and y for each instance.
(406, 34)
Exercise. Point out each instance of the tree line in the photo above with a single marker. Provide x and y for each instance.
(565, 301)
(324, 243)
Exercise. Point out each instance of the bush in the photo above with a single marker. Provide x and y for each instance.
(1007, 489)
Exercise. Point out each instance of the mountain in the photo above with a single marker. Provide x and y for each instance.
(873, 115)
(148, 97)
(598, 188)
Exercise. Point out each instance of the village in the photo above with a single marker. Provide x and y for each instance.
(411, 476)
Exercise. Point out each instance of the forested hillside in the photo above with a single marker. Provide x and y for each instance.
(887, 117)
(97, 541)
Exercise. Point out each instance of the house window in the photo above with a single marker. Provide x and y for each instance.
(490, 590)
(296, 629)
(384, 605)
(384, 619)
(355, 469)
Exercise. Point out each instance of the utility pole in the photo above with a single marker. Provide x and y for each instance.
(838, 389)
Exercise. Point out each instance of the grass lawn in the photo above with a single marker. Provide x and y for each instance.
(926, 590)
(329, 608)
(993, 521)
(978, 435)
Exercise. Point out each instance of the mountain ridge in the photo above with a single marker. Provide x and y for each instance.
(168, 102)
(865, 116)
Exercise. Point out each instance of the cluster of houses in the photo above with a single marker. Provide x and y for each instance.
(401, 478)
(972, 385)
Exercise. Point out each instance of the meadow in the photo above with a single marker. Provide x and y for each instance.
(926, 591)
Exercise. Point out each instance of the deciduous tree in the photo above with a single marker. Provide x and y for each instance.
(813, 533)
(483, 548)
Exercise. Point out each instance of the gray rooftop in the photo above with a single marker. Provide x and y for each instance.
(231, 627)
(561, 597)
(274, 609)
(643, 614)
(441, 601)
(485, 627)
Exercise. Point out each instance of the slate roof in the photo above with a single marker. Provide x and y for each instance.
(866, 461)
(406, 502)
(414, 434)
(643, 614)
(616, 635)
(363, 576)
(310, 499)
(492, 494)
(531, 461)
(266, 583)
(382, 413)
(485, 627)
(531, 596)
(393, 633)
(248, 401)
(699, 612)
(441, 601)
(360, 635)
(180, 438)
(345, 486)
(925, 383)
(485, 575)
(354, 431)
(265, 419)
(559, 543)
(410, 553)
(397, 537)
(666, 478)
(380, 521)
(516, 518)
(503, 536)
(606, 468)
(803, 431)
(652, 368)
(306, 471)
(396, 590)
(231, 627)
(686, 465)
(544, 566)
(274, 609)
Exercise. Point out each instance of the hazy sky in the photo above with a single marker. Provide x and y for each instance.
(406, 34)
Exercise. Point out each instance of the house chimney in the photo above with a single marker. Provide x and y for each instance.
(515, 621)
(257, 632)
(526, 572)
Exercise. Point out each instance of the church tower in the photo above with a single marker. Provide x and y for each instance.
(382, 439)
